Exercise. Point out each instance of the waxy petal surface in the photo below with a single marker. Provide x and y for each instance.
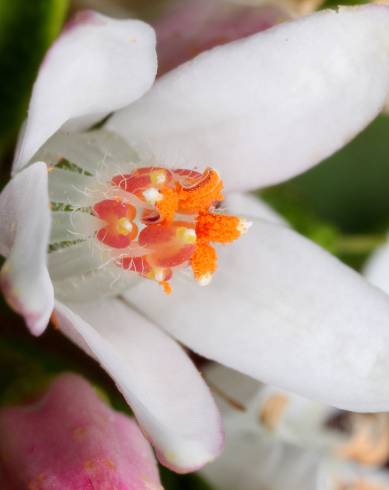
(168, 396)
(273, 104)
(96, 66)
(24, 231)
(249, 206)
(284, 311)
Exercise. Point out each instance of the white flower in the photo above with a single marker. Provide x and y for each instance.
(278, 440)
(260, 110)
(376, 269)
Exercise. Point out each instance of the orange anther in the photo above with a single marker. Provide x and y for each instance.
(167, 206)
(201, 195)
(167, 289)
(169, 218)
(204, 262)
(218, 228)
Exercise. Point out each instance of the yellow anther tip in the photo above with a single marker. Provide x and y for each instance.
(159, 274)
(205, 279)
(152, 195)
(124, 226)
(244, 225)
(158, 177)
(186, 235)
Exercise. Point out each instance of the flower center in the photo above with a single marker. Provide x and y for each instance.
(163, 219)
(114, 219)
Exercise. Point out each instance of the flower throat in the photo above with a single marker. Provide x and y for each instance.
(114, 218)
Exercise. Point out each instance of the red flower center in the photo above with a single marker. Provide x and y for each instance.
(171, 217)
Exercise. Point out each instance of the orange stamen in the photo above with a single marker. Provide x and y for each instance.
(154, 220)
(218, 227)
(204, 262)
(202, 195)
(167, 207)
(167, 289)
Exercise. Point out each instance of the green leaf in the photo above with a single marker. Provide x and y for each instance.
(26, 31)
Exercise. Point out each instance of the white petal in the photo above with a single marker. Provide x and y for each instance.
(300, 421)
(96, 66)
(70, 187)
(253, 460)
(72, 260)
(167, 394)
(282, 310)
(249, 206)
(376, 269)
(107, 280)
(348, 476)
(297, 420)
(268, 107)
(24, 232)
(68, 226)
(231, 388)
(89, 150)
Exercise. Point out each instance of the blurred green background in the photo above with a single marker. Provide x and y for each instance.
(343, 204)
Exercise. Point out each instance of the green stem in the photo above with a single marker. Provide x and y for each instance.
(358, 244)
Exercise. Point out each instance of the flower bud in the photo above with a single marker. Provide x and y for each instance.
(71, 439)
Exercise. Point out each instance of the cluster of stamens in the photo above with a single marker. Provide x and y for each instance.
(162, 220)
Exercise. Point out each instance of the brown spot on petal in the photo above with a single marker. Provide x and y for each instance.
(37, 482)
(272, 410)
(79, 434)
(110, 464)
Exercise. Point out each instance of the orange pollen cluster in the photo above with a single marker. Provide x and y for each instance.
(168, 205)
(201, 195)
(218, 228)
(163, 220)
(204, 263)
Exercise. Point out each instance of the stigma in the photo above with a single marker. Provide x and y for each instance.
(160, 220)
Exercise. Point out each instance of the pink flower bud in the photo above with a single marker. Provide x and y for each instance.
(193, 26)
(70, 439)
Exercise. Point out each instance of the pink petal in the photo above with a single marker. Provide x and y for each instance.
(70, 439)
(168, 396)
(193, 26)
